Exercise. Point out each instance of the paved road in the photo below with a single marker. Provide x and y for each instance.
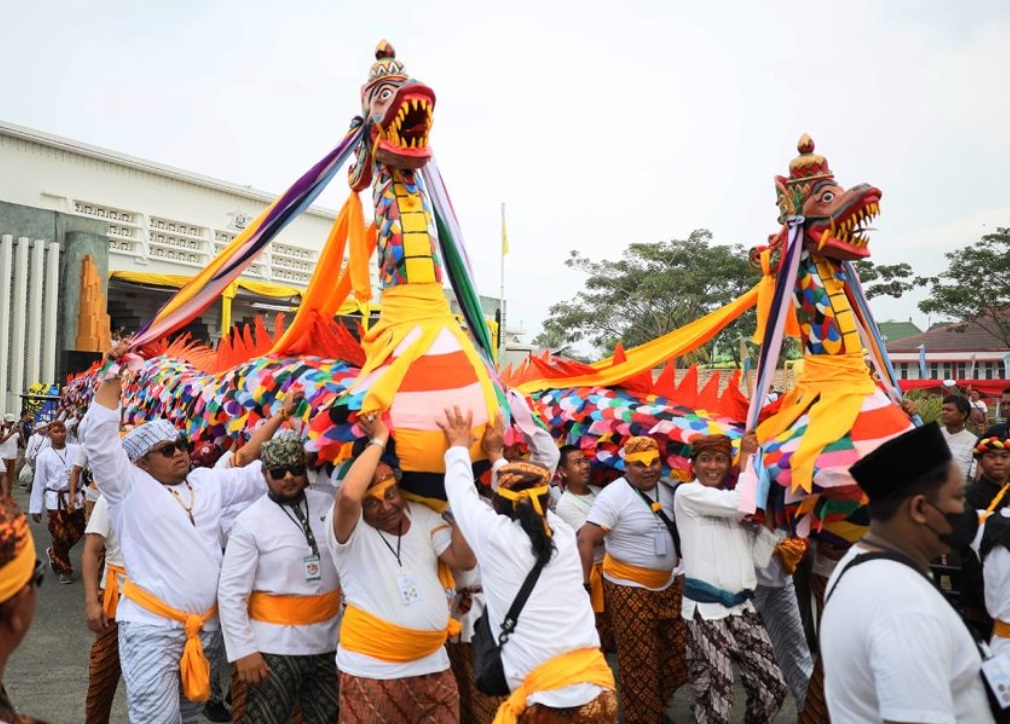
(48, 675)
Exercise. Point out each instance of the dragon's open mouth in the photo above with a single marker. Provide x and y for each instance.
(846, 234)
(409, 127)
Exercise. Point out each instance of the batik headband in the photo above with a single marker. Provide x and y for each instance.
(18, 570)
(533, 494)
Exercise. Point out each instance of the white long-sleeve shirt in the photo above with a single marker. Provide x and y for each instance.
(36, 444)
(266, 552)
(176, 560)
(52, 474)
(718, 547)
(557, 617)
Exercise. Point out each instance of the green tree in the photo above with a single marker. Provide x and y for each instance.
(653, 289)
(888, 280)
(976, 286)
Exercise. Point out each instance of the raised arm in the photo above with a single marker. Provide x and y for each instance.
(347, 507)
(473, 518)
(110, 465)
(251, 450)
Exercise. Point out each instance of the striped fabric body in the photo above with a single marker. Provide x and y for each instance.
(150, 659)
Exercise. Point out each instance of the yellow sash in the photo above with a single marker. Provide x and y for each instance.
(194, 668)
(648, 577)
(582, 666)
(596, 587)
(293, 610)
(110, 598)
(1001, 629)
(363, 633)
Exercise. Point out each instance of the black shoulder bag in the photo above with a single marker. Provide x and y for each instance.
(488, 672)
(661, 514)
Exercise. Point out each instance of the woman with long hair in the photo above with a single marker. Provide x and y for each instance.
(552, 660)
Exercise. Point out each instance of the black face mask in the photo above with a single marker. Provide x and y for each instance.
(963, 528)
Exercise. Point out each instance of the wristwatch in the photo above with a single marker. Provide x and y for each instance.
(377, 441)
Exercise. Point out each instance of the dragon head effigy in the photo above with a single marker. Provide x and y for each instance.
(397, 115)
(837, 219)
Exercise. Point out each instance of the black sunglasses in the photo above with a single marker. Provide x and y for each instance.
(279, 473)
(169, 450)
(39, 575)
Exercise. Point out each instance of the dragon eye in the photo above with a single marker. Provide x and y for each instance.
(385, 95)
(828, 196)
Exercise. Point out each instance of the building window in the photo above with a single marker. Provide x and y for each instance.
(903, 370)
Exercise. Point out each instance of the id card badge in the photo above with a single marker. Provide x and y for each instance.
(409, 592)
(996, 672)
(312, 570)
(661, 539)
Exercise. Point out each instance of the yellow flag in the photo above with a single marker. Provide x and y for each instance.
(504, 233)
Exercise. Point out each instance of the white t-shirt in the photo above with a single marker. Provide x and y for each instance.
(166, 554)
(718, 547)
(369, 573)
(36, 444)
(574, 509)
(962, 445)
(266, 552)
(100, 524)
(557, 617)
(634, 534)
(9, 447)
(895, 650)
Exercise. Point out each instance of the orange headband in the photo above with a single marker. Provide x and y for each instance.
(646, 457)
(378, 491)
(534, 496)
(18, 570)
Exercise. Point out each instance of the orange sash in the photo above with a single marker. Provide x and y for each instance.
(648, 577)
(363, 633)
(293, 610)
(582, 666)
(110, 598)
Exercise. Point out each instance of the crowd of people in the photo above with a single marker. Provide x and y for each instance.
(334, 598)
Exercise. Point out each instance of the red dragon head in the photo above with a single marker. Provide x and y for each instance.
(397, 112)
(837, 219)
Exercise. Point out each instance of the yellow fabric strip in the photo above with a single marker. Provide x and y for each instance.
(18, 570)
(378, 491)
(596, 587)
(582, 666)
(648, 577)
(831, 389)
(646, 457)
(1001, 629)
(652, 354)
(363, 633)
(110, 596)
(999, 496)
(177, 281)
(194, 669)
(293, 610)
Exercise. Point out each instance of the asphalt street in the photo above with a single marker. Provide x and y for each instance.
(47, 678)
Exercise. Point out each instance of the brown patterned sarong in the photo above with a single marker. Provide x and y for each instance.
(716, 645)
(428, 699)
(651, 648)
(815, 706)
(66, 529)
(601, 710)
(475, 707)
(103, 675)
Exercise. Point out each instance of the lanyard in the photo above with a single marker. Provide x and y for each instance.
(178, 499)
(654, 505)
(399, 539)
(302, 522)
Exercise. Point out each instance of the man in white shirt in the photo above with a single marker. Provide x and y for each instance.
(894, 650)
(279, 598)
(9, 436)
(641, 581)
(168, 521)
(101, 598)
(38, 442)
(573, 508)
(954, 416)
(720, 553)
(393, 558)
(64, 507)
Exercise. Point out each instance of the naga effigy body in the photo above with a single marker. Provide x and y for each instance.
(412, 364)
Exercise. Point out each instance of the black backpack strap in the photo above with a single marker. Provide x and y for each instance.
(512, 617)
(876, 556)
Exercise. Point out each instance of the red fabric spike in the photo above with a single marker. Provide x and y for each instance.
(687, 390)
(279, 325)
(263, 341)
(619, 357)
(506, 375)
(666, 383)
(733, 402)
(570, 367)
(708, 398)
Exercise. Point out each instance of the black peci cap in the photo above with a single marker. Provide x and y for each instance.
(891, 468)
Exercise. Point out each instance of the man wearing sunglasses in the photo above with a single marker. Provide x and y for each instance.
(279, 598)
(168, 521)
(20, 575)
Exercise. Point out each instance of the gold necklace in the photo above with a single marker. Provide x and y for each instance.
(192, 500)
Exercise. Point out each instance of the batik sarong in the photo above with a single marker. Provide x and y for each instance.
(780, 614)
(428, 699)
(65, 528)
(815, 706)
(651, 648)
(475, 707)
(601, 710)
(298, 690)
(103, 675)
(716, 645)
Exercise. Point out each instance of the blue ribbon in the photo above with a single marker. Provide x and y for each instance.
(701, 592)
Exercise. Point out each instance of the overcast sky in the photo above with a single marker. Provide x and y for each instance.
(598, 123)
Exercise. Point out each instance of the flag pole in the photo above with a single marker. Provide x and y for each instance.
(501, 289)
